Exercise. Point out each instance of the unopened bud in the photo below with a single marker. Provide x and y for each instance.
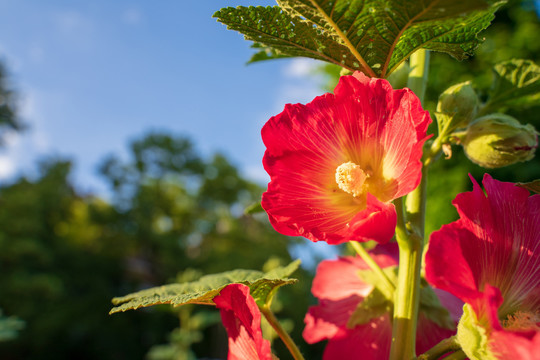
(458, 104)
(498, 140)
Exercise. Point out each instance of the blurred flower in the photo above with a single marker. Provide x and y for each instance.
(490, 258)
(242, 320)
(338, 162)
(498, 140)
(356, 323)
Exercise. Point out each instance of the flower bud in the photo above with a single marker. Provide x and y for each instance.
(498, 140)
(458, 104)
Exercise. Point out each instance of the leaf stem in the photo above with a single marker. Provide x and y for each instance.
(388, 284)
(445, 346)
(410, 241)
(285, 337)
(458, 355)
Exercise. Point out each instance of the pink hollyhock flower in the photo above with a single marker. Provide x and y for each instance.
(242, 320)
(340, 290)
(338, 162)
(490, 258)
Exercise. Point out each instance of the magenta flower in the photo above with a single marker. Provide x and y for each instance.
(242, 320)
(340, 290)
(490, 258)
(338, 162)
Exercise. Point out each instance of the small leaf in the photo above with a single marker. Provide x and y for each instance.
(262, 288)
(373, 306)
(533, 186)
(515, 83)
(372, 36)
(254, 208)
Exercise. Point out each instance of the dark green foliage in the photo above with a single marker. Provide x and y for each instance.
(368, 35)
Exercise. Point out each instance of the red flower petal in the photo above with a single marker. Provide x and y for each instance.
(495, 242)
(366, 124)
(516, 345)
(242, 320)
(339, 290)
(490, 258)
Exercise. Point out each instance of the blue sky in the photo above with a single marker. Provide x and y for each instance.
(92, 75)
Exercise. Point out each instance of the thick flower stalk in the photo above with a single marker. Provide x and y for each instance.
(366, 334)
(490, 258)
(242, 320)
(338, 162)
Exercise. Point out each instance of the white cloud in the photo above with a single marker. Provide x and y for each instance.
(7, 167)
(300, 68)
(31, 116)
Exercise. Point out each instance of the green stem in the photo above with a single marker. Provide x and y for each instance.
(285, 337)
(445, 346)
(458, 355)
(389, 286)
(411, 243)
(419, 64)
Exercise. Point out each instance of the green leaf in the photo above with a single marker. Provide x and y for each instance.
(533, 186)
(372, 36)
(515, 83)
(432, 308)
(372, 278)
(262, 288)
(265, 53)
(287, 36)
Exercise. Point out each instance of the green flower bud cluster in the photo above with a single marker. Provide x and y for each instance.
(491, 141)
(457, 106)
(498, 140)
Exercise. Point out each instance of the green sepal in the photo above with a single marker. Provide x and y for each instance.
(262, 288)
(472, 337)
(533, 186)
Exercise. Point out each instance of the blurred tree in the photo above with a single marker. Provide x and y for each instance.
(9, 120)
(64, 255)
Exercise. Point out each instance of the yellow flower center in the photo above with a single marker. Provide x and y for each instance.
(351, 178)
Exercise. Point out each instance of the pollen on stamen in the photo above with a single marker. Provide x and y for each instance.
(522, 320)
(351, 178)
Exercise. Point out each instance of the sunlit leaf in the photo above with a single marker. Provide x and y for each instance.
(516, 82)
(262, 287)
(369, 35)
